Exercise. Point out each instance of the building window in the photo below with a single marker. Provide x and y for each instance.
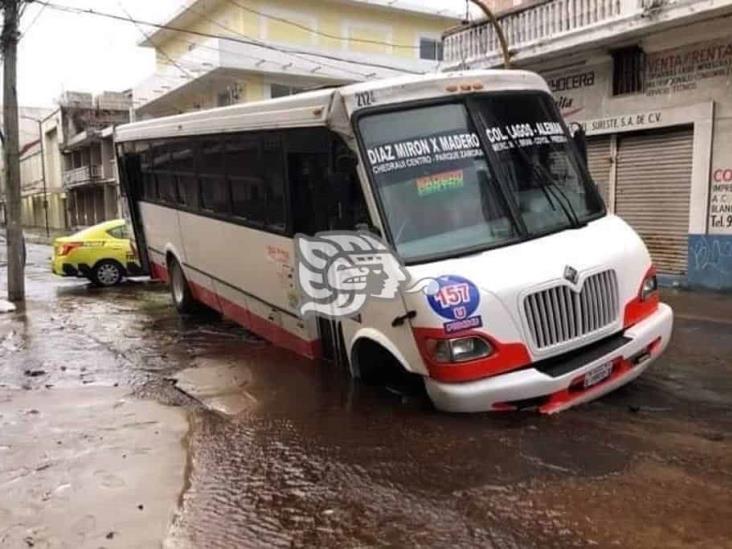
(278, 90)
(223, 99)
(231, 95)
(629, 65)
(431, 49)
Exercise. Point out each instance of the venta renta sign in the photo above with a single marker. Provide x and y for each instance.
(423, 151)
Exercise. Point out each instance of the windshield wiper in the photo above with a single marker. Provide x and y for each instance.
(547, 182)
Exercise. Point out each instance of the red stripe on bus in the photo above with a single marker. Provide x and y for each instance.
(265, 328)
(158, 272)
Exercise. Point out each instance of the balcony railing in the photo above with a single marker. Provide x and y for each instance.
(551, 23)
(82, 176)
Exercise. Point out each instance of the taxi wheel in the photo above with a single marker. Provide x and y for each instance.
(180, 290)
(107, 273)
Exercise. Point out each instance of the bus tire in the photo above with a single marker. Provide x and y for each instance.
(375, 365)
(180, 290)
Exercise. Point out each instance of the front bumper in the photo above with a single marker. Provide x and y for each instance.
(553, 394)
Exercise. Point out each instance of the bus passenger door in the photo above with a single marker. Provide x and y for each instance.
(327, 195)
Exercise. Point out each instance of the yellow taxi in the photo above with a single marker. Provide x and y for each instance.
(102, 253)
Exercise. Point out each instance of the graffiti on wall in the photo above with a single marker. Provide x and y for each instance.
(710, 261)
(680, 70)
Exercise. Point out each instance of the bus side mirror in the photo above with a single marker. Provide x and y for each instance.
(580, 140)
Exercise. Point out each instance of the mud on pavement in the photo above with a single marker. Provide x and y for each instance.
(226, 441)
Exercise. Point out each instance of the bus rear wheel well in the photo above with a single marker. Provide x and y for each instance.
(374, 364)
(169, 259)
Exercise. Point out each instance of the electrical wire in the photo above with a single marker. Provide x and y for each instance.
(148, 38)
(33, 22)
(249, 42)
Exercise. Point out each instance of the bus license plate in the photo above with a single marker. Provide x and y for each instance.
(596, 375)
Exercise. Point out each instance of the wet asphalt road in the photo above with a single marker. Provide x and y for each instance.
(317, 460)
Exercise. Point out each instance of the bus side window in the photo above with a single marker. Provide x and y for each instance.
(273, 166)
(162, 166)
(307, 170)
(353, 210)
(247, 186)
(215, 194)
(255, 169)
(149, 189)
(310, 202)
(183, 165)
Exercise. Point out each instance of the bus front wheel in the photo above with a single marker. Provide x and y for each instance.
(180, 289)
(375, 365)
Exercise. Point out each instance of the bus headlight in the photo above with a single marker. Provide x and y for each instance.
(461, 349)
(649, 286)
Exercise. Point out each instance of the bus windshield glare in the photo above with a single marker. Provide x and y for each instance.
(443, 194)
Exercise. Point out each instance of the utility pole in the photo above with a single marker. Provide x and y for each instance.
(482, 4)
(43, 169)
(14, 231)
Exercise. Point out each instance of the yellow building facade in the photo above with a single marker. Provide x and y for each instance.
(219, 52)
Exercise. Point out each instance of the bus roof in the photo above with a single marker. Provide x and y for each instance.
(328, 107)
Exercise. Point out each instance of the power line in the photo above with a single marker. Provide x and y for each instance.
(317, 32)
(248, 42)
(33, 22)
(147, 36)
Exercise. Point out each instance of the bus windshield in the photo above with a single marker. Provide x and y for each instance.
(443, 195)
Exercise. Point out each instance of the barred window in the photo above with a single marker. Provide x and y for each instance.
(629, 66)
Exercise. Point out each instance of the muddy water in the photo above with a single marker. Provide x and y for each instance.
(287, 452)
(315, 460)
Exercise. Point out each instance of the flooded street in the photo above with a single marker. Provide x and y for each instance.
(245, 445)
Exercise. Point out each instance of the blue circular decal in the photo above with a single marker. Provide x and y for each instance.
(457, 298)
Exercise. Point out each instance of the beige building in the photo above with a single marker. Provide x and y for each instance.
(259, 50)
(31, 168)
(651, 83)
(79, 158)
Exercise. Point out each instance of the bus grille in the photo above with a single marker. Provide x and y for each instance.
(557, 315)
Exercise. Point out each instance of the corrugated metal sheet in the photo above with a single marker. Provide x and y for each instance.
(652, 193)
(599, 162)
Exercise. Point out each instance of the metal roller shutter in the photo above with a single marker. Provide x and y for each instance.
(599, 162)
(652, 193)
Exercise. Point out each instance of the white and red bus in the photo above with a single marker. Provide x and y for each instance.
(545, 299)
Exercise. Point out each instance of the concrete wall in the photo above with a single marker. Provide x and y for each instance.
(688, 80)
(33, 215)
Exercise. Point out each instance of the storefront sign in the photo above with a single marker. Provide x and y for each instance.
(625, 122)
(720, 204)
(680, 70)
(572, 90)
